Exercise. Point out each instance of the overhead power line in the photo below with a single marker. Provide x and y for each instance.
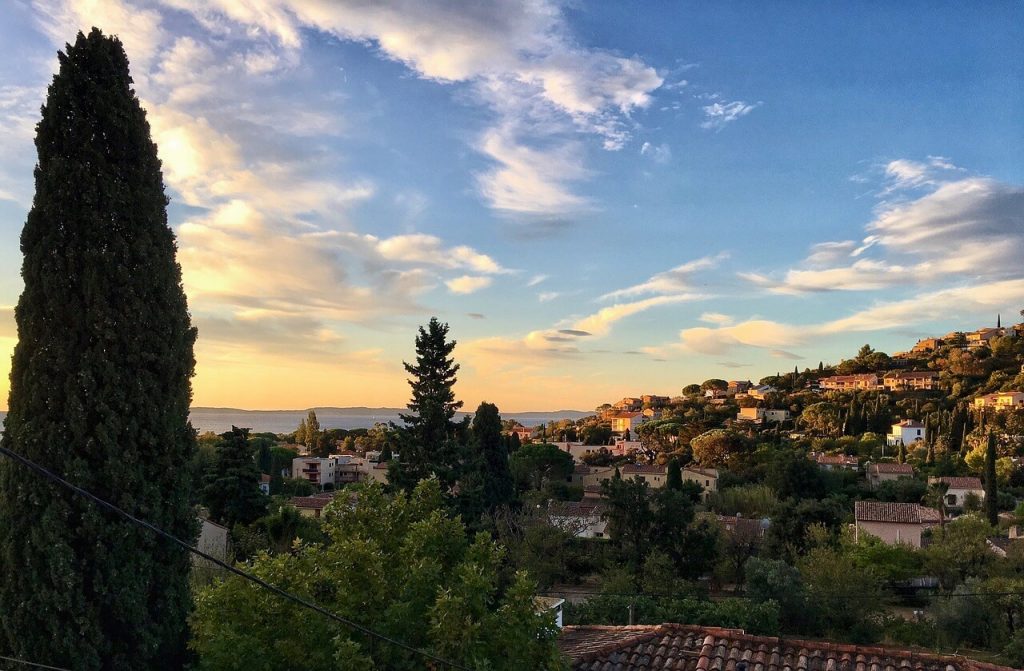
(50, 475)
(32, 665)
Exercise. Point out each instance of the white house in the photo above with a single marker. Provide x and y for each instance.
(583, 519)
(318, 470)
(907, 432)
(959, 488)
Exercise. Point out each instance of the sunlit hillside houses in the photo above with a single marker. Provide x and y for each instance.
(924, 380)
(762, 415)
(627, 421)
(1001, 400)
(861, 381)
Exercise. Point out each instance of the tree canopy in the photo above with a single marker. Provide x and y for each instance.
(397, 564)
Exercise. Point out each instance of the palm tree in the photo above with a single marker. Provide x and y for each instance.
(935, 497)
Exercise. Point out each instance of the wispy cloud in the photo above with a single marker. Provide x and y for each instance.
(957, 230)
(778, 338)
(660, 153)
(601, 322)
(719, 114)
(676, 280)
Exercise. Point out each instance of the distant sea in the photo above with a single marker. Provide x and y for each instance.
(220, 420)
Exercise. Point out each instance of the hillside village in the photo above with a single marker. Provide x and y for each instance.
(900, 474)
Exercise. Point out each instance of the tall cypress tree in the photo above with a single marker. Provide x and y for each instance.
(100, 388)
(674, 476)
(429, 443)
(491, 455)
(991, 491)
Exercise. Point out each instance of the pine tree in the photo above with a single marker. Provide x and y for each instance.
(100, 389)
(491, 457)
(232, 488)
(991, 492)
(428, 441)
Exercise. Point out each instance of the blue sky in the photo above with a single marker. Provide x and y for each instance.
(601, 199)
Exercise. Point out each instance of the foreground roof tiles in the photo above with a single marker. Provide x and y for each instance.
(691, 648)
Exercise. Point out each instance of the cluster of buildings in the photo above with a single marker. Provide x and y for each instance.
(338, 470)
(897, 380)
(906, 522)
(901, 522)
(964, 340)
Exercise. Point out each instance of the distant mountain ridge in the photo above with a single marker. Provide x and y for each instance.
(362, 409)
(219, 420)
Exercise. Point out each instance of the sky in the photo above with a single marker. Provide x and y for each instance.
(600, 199)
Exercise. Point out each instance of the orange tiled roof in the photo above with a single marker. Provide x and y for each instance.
(691, 648)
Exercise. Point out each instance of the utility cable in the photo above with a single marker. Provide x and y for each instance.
(50, 475)
(34, 665)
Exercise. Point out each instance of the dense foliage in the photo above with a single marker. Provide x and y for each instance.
(398, 564)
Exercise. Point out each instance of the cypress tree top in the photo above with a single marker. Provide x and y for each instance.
(100, 388)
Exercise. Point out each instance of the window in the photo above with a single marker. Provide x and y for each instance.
(951, 499)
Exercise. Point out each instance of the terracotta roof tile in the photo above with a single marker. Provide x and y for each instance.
(962, 483)
(650, 469)
(894, 513)
(902, 469)
(692, 648)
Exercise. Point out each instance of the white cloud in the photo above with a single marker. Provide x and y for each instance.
(600, 323)
(467, 284)
(963, 229)
(530, 180)
(661, 153)
(429, 249)
(676, 280)
(519, 59)
(719, 114)
(716, 318)
(965, 302)
(546, 296)
(536, 279)
(138, 28)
